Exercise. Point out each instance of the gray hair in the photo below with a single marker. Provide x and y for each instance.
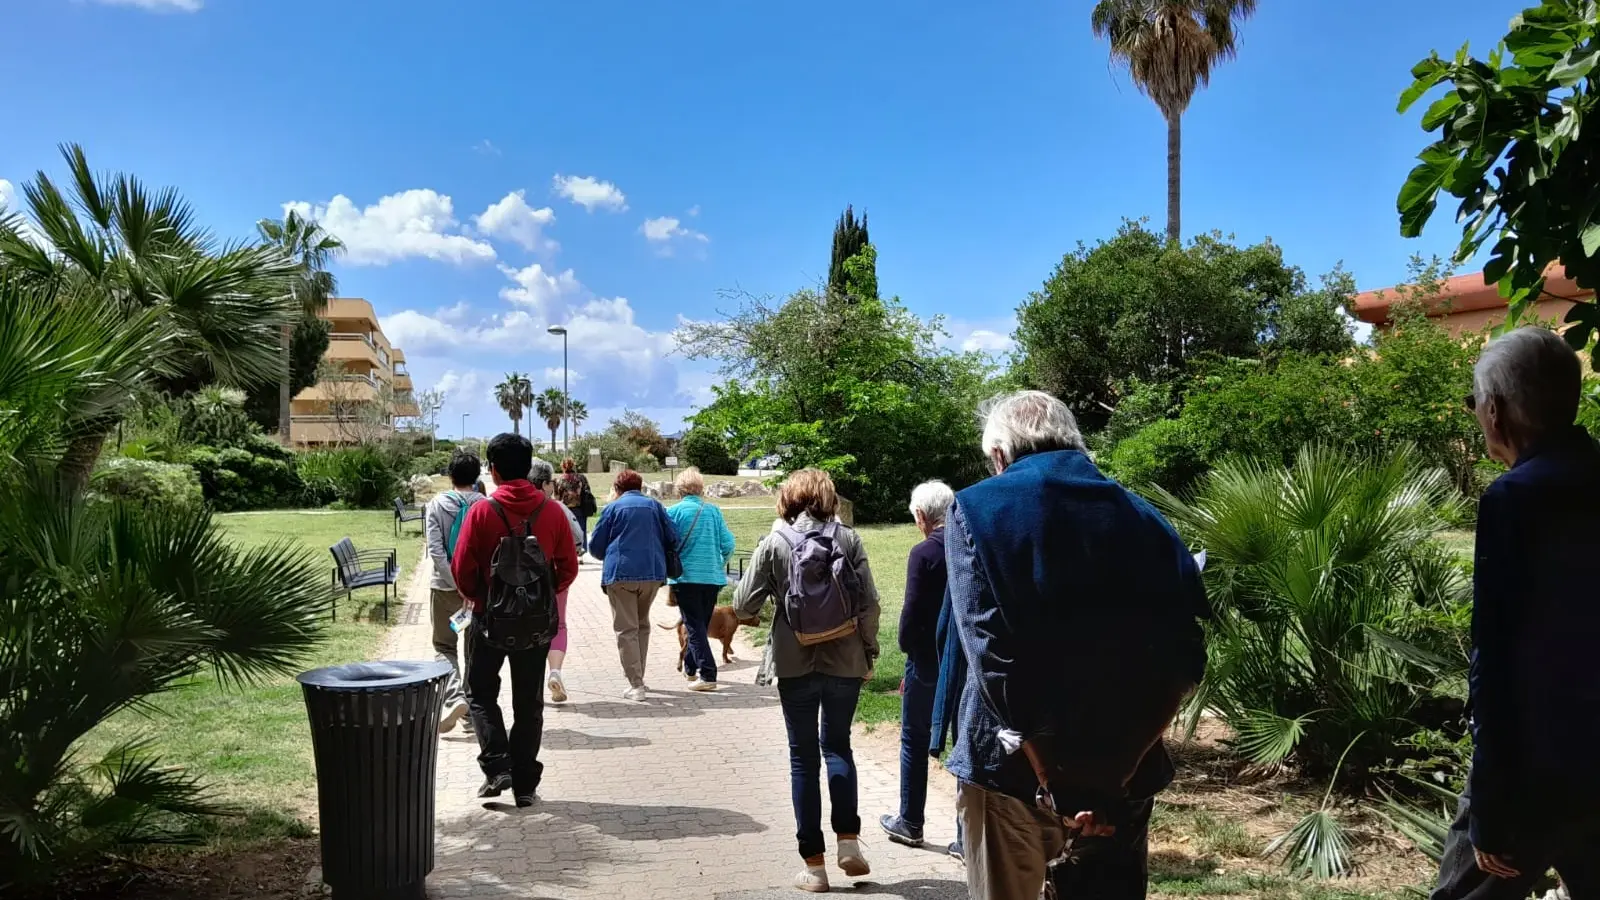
(1534, 378)
(1028, 422)
(933, 500)
(541, 472)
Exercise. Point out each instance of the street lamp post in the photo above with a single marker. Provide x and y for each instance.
(433, 426)
(566, 396)
(464, 426)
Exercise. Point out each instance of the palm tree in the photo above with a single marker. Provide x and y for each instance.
(577, 412)
(304, 242)
(1169, 47)
(139, 254)
(129, 598)
(551, 405)
(514, 395)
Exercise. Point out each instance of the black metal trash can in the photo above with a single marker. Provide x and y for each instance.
(375, 733)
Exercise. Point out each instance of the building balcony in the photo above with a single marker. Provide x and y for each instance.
(345, 347)
(347, 388)
(401, 382)
(353, 310)
(312, 430)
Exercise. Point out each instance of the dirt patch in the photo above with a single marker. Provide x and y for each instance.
(275, 870)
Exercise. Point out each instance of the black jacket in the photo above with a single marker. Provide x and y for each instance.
(1535, 695)
(919, 617)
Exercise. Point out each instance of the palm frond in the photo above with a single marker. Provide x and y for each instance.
(1317, 846)
(1267, 738)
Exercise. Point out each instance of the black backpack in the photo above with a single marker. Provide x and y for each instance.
(519, 610)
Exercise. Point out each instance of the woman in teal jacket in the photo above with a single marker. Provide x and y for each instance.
(705, 545)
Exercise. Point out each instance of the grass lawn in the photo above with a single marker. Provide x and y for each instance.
(253, 745)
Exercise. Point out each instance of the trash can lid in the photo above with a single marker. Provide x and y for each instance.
(366, 676)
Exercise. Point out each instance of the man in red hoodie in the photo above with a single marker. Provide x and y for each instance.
(514, 762)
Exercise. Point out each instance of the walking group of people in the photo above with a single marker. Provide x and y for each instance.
(1051, 628)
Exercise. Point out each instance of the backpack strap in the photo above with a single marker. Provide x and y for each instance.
(502, 513)
(527, 526)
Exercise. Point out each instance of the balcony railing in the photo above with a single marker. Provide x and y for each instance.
(349, 336)
(354, 376)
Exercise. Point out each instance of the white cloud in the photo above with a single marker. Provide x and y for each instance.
(157, 5)
(486, 147)
(988, 341)
(552, 376)
(453, 314)
(538, 289)
(591, 193)
(512, 219)
(414, 223)
(694, 210)
(667, 231)
(457, 386)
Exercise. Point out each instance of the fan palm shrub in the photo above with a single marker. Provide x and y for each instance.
(103, 607)
(1322, 576)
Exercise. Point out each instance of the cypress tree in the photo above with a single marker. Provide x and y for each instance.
(849, 237)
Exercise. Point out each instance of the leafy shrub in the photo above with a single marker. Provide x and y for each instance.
(358, 477)
(611, 446)
(1162, 454)
(703, 448)
(148, 483)
(216, 416)
(434, 463)
(237, 479)
(1316, 576)
(123, 572)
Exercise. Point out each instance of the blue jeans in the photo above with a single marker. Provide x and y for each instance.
(803, 698)
(916, 730)
(696, 603)
(583, 526)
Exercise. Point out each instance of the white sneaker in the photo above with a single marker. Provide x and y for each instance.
(851, 860)
(558, 687)
(452, 715)
(634, 694)
(703, 685)
(813, 879)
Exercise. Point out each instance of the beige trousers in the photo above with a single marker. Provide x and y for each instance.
(630, 619)
(1009, 844)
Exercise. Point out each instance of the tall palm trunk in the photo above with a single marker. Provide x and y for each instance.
(1174, 176)
(82, 452)
(285, 354)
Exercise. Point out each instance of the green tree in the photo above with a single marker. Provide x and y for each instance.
(307, 347)
(515, 395)
(702, 448)
(1169, 48)
(551, 406)
(1513, 148)
(1137, 307)
(220, 308)
(849, 238)
(304, 242)
(851, 384)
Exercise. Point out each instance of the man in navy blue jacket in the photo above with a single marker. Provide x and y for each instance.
(1076, 606)
(1533, 795)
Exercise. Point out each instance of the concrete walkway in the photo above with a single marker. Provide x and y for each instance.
(685, 796)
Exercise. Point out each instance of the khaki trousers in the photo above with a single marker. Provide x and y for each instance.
(444, 605)
(630, 619)
(1009, 844)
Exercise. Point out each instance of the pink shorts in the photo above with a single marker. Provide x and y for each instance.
(560, 641)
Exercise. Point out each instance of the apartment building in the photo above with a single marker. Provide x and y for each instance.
(372, 391)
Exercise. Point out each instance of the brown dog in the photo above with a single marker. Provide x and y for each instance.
(724, 622)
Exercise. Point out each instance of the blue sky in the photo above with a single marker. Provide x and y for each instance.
(500, 165)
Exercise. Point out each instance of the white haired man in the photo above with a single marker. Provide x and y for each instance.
(1076, 606)
(919, 621)
(1533, 793)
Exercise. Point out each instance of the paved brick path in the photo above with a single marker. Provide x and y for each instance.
(684, 796)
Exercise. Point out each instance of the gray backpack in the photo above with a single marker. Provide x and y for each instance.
(820, 603)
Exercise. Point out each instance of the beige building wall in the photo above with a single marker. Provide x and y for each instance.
(371, 366)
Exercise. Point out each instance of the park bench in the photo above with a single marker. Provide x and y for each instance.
(737, 562)
(363, 568)
(404, 514)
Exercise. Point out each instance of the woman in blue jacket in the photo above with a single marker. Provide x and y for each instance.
(631, 538)
(705, 545)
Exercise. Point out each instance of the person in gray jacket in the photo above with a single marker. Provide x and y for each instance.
(439, 526)
(821, 680)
